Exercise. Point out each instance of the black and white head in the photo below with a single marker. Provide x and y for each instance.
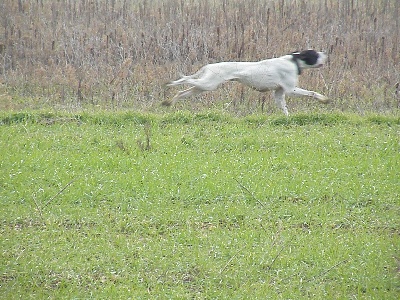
(309, 59)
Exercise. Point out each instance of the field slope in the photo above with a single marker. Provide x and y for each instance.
(199, 206)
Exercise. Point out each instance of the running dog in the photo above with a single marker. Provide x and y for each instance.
(276, 74)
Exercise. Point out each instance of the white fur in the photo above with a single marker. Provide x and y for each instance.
(277, 74)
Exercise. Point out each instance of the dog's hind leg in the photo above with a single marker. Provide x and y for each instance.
(192, 91)
(279, 96)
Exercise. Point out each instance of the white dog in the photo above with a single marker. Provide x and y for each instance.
(277, 74)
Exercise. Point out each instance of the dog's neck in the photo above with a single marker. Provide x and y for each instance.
(294, 58)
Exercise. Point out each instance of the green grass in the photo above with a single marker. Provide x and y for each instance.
(199, 206)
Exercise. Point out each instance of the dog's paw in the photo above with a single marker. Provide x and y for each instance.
(166, 103)
(323, 99)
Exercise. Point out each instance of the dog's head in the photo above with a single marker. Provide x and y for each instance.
(309, 59)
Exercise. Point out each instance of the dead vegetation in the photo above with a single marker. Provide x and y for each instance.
(118, 54)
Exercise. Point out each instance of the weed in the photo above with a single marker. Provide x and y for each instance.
(73, 62)
(145, 144)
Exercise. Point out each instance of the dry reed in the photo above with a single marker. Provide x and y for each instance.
(118, 54)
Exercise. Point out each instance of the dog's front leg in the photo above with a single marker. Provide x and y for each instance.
(301, 92)
(279, 96)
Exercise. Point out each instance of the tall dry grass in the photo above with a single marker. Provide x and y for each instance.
(119, 54)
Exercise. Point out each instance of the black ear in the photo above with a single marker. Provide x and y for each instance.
(310, 57)
(305, 53)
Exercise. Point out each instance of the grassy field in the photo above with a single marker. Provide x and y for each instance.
(199, 206)
(211, 199)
